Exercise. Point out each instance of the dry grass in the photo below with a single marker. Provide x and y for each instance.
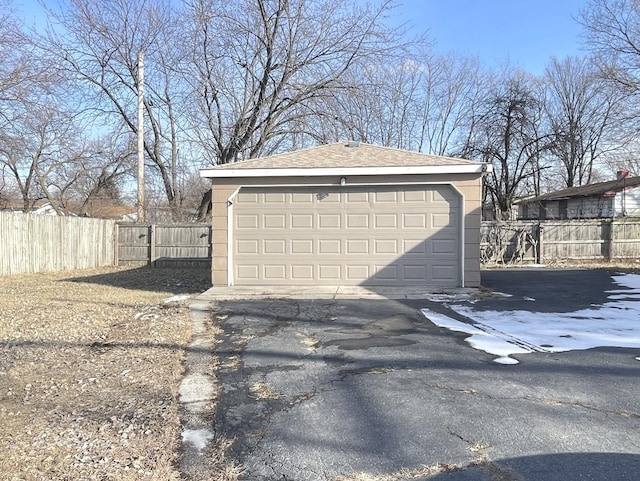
(309, 340)
(89, 371)
(403, 474)
(263, 390)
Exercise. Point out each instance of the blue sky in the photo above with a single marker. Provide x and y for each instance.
(524, 32)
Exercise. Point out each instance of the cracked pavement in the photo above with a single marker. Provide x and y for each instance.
(371, 386)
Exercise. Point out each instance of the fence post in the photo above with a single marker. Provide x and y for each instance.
(610, 240)
(116, 244)
(540, 243)
(152, 245)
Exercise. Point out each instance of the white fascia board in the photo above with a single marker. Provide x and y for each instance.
(345, 171)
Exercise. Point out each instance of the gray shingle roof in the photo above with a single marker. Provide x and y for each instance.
(600, 189)
(342, 155)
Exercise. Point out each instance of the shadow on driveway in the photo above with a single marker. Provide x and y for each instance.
(552, 290)
(552, 467)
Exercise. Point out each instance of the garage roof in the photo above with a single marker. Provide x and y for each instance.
(346, 158)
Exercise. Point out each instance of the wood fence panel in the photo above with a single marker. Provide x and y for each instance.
(579, 240)
(39, 243)
(177, 245)
(626, 237)
(183, 245)
(134, 244)
(508, 241)
(595, 239)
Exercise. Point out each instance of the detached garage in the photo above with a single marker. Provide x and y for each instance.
(347, 214)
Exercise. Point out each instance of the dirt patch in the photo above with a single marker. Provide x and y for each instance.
(89, 372)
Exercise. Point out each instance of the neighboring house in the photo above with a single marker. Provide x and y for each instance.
(98, 210)
(615, 198)
(40, 207)
(347, 214)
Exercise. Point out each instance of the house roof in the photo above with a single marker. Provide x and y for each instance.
(599, 189)
(344, 158)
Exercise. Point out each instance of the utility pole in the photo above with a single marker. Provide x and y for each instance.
(141, 137)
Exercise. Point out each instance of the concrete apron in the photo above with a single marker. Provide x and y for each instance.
(331, 292)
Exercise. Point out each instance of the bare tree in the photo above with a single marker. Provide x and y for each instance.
(581, 108)
(377, 104)
(98, 44)
(452, 90)
(612, 32)
(260, 62)
(507, 135)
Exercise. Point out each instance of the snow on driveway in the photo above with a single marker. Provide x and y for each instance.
(615, 323)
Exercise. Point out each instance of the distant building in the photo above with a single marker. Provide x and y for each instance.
(615, 198)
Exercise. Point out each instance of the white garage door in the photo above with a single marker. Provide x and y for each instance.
(351, 235)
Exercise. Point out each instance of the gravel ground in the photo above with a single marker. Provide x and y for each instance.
(89, 372)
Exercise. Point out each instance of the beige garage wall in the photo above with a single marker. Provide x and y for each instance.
(469, 185)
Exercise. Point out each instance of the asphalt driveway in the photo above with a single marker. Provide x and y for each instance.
(339, 389)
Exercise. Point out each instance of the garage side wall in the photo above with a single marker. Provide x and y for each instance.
(469, 185)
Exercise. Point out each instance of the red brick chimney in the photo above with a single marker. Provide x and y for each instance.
(622, 174)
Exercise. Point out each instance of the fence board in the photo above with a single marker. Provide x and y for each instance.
(39, 243)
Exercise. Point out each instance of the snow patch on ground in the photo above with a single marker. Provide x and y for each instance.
(614, 324)
(198, 437)
(177, 298)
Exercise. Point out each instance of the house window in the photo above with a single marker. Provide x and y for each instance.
(543, 211)
(562, 209)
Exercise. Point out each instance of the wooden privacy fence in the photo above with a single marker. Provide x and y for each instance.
(40, 243)
(555, 241)
(37, 243)
(164, 245)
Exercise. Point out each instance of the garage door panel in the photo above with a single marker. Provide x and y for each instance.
(302, 246)
(385, 197)
(275, 198)
(381, 235)
(414, 272)
(275, 272)
(414, 221)
(357, 197)
(247, 221)
(414, 246)
(357, 272)
(357, 246)
(302, 198)
(247, 272)
(442, 246)
(302, 272)
(357, 221)
(410, 196)
(248, 197)
(329, 246)
(442, 220)
(248, 246)
(274, 221)
(443, 195)
(328, 272)
(386, 246)
(329, 221)
(443, 273)
(274, 246)
(385, 272)
(385, 221)
(324, 197)
(301, 221)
